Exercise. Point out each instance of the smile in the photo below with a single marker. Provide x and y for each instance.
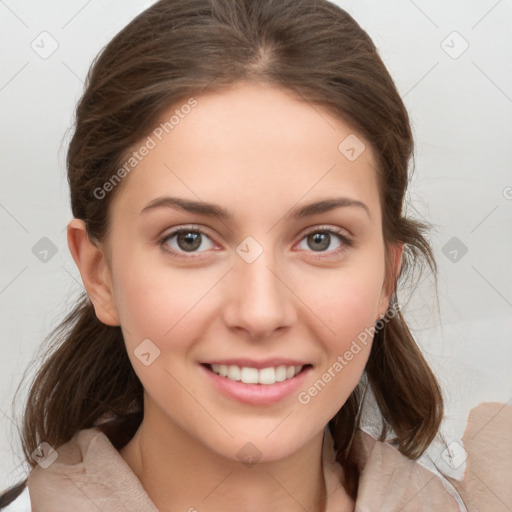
(249, 375)
(257, 383)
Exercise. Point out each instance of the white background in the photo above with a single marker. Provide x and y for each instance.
(461, 112)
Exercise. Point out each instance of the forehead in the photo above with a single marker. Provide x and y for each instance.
(253, 143)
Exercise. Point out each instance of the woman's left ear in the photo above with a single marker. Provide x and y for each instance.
(393, 266)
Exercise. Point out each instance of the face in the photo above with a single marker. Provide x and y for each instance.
(270, 290)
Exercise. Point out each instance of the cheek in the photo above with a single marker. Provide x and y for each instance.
(157, 303)
(346, 308)
(151, 309)
(346, 300)
(352, 318)
(346, 354)
(356, 309)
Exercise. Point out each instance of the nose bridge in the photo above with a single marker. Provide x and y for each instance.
(260, 302)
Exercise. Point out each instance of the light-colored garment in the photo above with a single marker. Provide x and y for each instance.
(90, 474)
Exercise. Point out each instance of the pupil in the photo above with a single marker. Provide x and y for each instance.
(321, 240)
(192, 241)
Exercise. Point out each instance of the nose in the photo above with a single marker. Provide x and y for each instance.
(258, 299)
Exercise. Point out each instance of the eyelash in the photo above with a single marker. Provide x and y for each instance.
(346, 242)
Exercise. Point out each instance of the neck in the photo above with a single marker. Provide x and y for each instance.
(180, 473)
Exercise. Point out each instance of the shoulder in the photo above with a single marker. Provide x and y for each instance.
(85, 470)
(487, 449)
(391, 481)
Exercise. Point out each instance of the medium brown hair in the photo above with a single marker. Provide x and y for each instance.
(180, 48)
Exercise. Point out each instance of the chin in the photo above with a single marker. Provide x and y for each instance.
(260, 446)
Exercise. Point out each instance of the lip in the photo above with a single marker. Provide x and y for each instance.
(265, 363)
(255, 394)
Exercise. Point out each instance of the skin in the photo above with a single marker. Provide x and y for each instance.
(257, 151)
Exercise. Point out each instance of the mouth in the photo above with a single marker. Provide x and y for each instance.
(256, 383)
(266, 376)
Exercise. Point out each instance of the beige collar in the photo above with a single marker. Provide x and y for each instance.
(90, 474)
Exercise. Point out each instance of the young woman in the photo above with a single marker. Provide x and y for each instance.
(237, 174)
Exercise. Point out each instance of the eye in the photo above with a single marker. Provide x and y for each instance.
(186, 240)
(189, 240)
(320, 240)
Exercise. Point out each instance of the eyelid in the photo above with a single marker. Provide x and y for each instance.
(184, 227)
(328, 228)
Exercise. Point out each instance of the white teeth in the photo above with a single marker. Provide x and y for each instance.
(280, 373)
(234, 372)
(249, 375)
(267, 376)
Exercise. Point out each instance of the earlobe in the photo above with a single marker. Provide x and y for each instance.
(92, 264)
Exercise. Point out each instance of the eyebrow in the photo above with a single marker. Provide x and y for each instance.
(213, 210)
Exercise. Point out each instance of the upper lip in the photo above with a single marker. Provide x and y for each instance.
(251, 363)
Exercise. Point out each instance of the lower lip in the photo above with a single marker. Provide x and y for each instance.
(256, 394)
